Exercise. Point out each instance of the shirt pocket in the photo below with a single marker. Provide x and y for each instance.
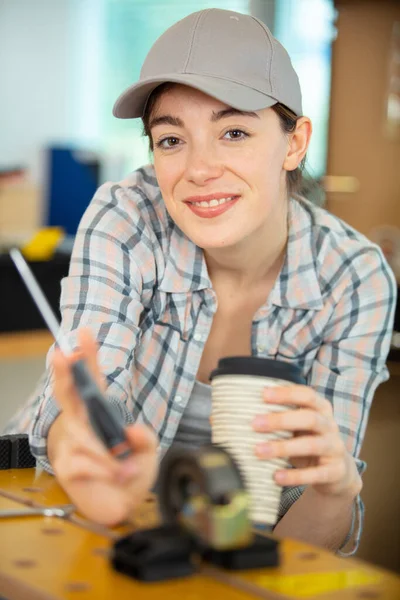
(176, 312)
(300, 341)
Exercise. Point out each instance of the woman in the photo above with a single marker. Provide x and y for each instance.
(210, 253)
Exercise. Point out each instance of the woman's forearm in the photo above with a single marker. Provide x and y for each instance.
(318, 519)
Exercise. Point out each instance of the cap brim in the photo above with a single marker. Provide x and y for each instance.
(131, 103)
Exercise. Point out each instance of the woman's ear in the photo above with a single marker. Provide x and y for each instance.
(298, 144)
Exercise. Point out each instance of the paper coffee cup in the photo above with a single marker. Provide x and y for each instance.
(237, 397)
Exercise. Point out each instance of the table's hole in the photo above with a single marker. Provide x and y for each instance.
(52, 531)
(368, 594)
(102, 552)
(308, 555)
(77, 586)
(25, 563)
(35, 490)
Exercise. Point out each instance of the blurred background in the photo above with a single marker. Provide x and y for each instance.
(62, 65)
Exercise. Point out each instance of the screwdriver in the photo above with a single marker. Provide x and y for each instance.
(107, 425)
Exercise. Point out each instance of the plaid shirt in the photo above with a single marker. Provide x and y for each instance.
(143, 288)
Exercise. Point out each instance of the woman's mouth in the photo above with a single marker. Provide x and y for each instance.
(211, 206)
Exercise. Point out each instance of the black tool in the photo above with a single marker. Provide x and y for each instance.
(15, 452)
(105, 422)
(205, 509)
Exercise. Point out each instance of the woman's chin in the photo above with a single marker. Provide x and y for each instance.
(215, 240)
(209, 245)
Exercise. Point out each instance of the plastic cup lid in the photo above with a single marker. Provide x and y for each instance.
(258, 366)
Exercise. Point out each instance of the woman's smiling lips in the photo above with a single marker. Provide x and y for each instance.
(211, 205)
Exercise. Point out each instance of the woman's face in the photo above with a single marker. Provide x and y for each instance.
(220, 171)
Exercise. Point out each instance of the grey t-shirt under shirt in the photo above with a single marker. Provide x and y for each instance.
(194, 428)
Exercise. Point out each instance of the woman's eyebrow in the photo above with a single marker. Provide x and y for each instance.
(166, 120)
(216, 116)
(232, 112)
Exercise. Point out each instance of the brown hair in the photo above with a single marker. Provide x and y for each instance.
(287, 119)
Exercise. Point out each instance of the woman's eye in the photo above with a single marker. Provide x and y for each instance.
(235, 134)
(168, 142)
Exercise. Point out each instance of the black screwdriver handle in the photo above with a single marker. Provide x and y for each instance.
(103, 419)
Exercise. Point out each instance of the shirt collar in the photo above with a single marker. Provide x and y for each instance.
(296, 287)
(185, 266)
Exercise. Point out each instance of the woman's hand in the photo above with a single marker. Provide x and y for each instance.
(103, 488)
(316, 448)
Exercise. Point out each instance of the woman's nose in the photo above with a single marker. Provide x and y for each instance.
(203, 165)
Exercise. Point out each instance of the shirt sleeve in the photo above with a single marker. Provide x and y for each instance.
(351, 362)
(103, 291)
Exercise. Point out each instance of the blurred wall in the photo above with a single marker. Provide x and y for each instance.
(35, 78)
(362, 146)
(360, 142)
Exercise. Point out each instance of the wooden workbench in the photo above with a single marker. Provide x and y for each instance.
(24, 344)
(47, 558)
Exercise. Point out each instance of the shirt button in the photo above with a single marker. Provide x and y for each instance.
(199, 337)
(260, 348)
(178, 399)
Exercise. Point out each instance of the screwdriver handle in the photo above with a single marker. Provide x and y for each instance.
(105, 422)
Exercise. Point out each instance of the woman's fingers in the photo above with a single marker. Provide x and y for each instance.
(141, 438)
(79, 442)
(103, 487)
(145, 461)
(311, 445)
(84, 468)
(84, 445)
(326, 474)
(315, 441)
(298, 396)
(301, 419)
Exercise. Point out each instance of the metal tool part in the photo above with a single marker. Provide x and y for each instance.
(61, 511)
(203, 490)
(205, 509)
(39, 298)
(106, 422)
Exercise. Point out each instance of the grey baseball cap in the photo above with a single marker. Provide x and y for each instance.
(228, 55)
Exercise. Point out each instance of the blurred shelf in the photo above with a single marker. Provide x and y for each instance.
(25, 344)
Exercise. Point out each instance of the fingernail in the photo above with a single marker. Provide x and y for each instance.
(260, 422)
(269, 393)
(264, 450)
(280, 477)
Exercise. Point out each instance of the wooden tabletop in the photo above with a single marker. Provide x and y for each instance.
(47, 558)
(25, 344)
